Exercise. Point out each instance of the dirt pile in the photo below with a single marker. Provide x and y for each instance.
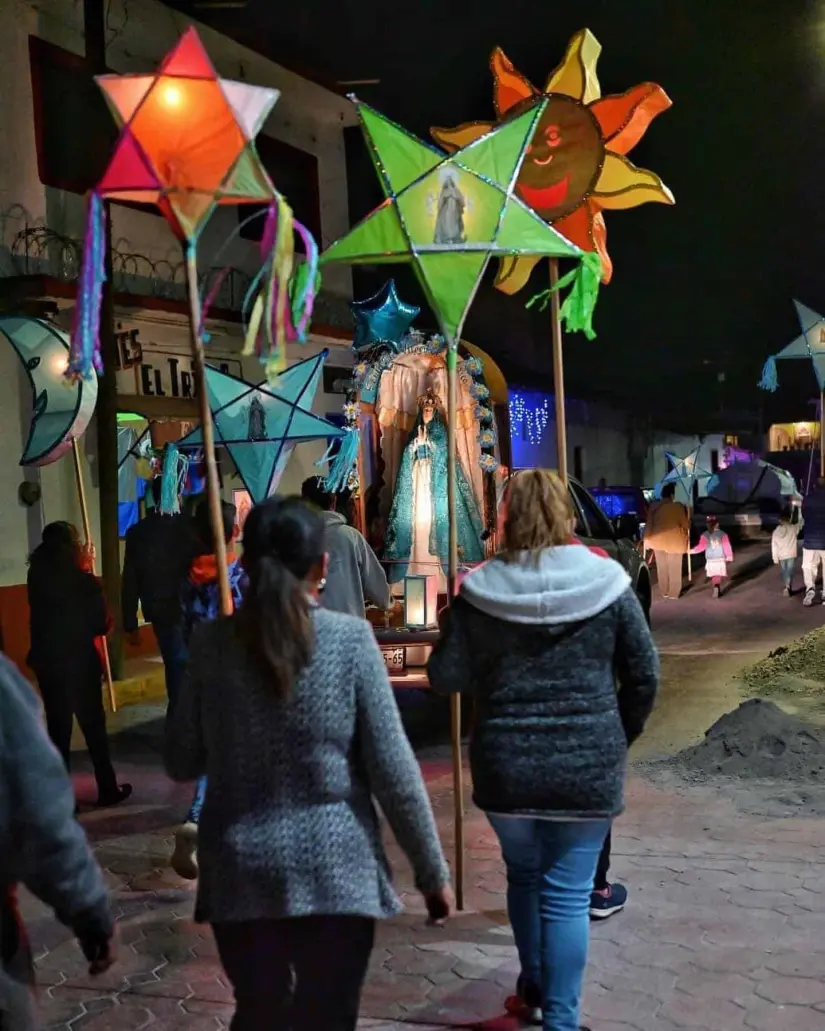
(758, 741)
(803, 659)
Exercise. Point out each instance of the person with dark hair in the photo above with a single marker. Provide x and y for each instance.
(288, 709)
(201, 602)
(159, 550)
(667, 535)
(538, 636)
(353, 571)
(67, 612)
(43, 847)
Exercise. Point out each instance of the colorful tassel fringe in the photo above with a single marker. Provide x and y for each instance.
(577, 310)
(341, 466)
(769, 380)
(172, 480)
(84, 358)
(281, 297)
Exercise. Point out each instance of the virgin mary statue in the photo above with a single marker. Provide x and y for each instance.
(417, 539)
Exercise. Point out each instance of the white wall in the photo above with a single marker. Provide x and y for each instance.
(306, 116)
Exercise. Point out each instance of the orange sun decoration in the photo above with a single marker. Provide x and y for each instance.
(575, 166)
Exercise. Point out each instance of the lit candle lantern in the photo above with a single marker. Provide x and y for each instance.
(420, 601)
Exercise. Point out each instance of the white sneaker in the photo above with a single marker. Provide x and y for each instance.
(808, 600)
(184, 859)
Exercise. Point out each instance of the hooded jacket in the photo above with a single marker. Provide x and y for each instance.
(540, 645)
(41, 843)
(354, 573)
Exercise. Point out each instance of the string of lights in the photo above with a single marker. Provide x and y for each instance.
(530, 415)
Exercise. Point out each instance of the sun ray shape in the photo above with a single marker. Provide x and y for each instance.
(576, 165)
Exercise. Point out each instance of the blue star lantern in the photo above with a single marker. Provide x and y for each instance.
(259, 425)
(811, 344)
(382, 319)
(686, 470)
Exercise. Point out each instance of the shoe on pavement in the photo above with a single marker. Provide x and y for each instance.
(808, 600)
(184, 859)
(717, 592)
(786, 591)
(608, 902)
(525, 1005)
(119, 795)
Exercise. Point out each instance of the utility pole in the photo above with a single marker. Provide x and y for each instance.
(94, 27)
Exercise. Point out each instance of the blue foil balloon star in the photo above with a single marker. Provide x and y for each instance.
(382, 319)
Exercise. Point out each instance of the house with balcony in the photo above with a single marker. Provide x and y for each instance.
(58, 135)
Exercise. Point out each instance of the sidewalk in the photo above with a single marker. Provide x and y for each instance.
(725, 930)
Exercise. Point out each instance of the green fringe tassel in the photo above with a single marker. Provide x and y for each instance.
(577, 310)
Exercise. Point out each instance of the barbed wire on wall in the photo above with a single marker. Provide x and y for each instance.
(39, 250)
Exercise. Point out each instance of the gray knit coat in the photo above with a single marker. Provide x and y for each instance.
(542, 646)
(289, 827)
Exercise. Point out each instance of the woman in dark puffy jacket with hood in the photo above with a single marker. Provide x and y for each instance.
(539, 636)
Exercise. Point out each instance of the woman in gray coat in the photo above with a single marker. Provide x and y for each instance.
(287, 708)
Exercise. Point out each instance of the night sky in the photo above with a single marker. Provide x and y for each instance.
(700, 288)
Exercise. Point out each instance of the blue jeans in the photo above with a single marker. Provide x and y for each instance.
(175, 655)
(786, 568)
(194, 815)
(550, 871)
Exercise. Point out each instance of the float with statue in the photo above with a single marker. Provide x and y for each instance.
(394, 460)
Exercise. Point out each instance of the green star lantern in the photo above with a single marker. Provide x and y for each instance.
(448, 215)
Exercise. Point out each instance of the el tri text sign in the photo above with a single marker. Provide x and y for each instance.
(148, 369)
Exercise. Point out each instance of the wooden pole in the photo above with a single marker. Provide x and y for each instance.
(95, 33)
(821, 434)
(452, 584)
(558, 371)
(87, 533)
(213, 486)
(690, 563)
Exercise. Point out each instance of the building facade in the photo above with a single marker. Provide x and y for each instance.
(57, 136)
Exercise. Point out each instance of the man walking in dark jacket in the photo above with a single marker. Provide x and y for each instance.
(43, 847)
(813, 544)
(159, 550)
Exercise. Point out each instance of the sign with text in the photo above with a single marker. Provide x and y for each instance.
(148, 370)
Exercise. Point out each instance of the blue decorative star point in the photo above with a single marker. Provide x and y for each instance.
(382, 319)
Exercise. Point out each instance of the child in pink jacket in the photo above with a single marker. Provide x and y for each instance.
(718, 552)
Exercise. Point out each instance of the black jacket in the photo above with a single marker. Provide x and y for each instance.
(67, 612)
(540, 648)
(159, 551)
(813, 512)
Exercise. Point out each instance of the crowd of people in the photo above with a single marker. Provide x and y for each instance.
(283, 715)
(667, 540)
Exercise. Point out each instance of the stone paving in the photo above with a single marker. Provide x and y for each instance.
(725, 930)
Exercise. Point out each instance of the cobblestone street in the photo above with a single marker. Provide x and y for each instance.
(725, 929)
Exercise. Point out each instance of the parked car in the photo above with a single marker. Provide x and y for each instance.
(618, 536)
(619, 501)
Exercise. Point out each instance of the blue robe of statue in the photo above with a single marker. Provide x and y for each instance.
(400, 535)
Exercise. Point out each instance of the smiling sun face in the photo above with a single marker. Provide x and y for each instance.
(575, 164)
